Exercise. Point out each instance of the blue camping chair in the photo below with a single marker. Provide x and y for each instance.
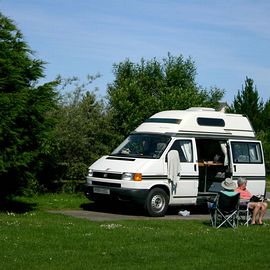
(225, 210)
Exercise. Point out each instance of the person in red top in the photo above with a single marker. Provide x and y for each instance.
(259, 208)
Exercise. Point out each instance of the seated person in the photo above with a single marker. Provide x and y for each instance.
(228, 189)
(259, 208)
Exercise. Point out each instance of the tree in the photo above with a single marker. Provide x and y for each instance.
(140, 90)
(82, 134)
(264, 134)
(248, 102)
(24, 125)
(266, 116)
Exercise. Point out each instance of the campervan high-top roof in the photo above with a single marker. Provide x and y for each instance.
(199, 121)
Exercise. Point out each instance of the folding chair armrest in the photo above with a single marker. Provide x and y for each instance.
(212, 199)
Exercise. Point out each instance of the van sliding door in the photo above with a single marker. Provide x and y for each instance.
(247, 161)
(186, 189)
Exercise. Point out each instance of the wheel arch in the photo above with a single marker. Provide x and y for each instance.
(164, 187)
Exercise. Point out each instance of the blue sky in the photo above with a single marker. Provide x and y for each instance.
(227, 40)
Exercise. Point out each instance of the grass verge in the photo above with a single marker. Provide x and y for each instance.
(35, 239)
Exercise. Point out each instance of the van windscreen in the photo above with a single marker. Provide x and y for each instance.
(142, 146)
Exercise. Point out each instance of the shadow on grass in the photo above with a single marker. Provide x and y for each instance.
(114, 207)
(128, 208)
(16, 206)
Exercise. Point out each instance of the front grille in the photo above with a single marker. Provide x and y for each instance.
(106, 175)
(103, 184)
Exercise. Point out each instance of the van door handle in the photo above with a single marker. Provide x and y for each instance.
(195, 167)
(234, 167)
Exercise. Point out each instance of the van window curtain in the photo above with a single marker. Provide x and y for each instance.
(253, 153)
(187, 150)
(224, 149)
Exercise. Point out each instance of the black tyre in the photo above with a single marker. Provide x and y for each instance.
(157, 202)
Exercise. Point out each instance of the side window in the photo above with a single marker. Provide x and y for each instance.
(184, 148)
(246, 152)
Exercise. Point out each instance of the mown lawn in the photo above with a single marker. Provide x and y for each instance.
(37, 239)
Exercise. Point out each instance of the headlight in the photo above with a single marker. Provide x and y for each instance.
(90, 172)
(127, 176)
(132, 176)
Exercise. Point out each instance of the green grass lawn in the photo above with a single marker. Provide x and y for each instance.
(36, 239)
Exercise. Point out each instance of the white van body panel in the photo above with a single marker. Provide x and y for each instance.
(186, 190)
(151, 169)
(118, 165)
(236, 124)
(254, 171)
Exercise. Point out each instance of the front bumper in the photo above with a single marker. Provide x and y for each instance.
(127, 194)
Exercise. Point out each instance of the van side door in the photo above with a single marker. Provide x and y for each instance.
(186, 189)
(247, 161)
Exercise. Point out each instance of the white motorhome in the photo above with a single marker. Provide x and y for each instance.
(177, 158)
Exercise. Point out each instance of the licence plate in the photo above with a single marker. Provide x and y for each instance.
(101, 190)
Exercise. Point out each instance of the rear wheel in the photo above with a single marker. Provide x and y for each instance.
(157, 202)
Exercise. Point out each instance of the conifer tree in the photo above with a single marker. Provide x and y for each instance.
(248, 102)
(24, 127)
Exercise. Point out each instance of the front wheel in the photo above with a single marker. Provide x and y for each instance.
(157, 202)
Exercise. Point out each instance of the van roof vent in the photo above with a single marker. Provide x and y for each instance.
(201, 109)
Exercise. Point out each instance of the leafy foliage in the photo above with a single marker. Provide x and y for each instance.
(140, 90)
(24, 125)
(82, 134)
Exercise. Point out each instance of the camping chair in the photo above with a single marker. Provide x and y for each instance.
(225, 210)
(245, 213)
